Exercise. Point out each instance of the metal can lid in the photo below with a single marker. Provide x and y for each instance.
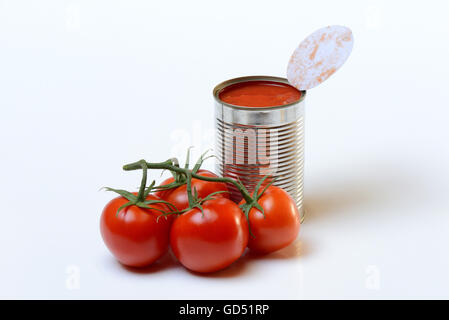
(318, 56)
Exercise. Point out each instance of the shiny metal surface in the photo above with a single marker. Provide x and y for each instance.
(253, 142)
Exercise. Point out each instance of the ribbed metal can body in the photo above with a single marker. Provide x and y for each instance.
(252, 142)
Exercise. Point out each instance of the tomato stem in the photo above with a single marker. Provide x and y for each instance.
(189, 188)
(167, 165)
(141, 199)
(143, 184)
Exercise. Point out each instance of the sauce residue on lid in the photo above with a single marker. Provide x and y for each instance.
(259, 94)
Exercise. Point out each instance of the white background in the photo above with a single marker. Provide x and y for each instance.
(87, 86)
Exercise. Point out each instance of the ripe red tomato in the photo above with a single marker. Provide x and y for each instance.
(134, 236)
(279, 227)
(211, 241)
(178, 196)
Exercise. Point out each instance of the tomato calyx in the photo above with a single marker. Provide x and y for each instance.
(139, 200)
(247, 206)
(197, 202)
(180, 177)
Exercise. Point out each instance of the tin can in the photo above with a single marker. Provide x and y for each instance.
(254, 142)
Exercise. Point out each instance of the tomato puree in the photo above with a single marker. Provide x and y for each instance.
(259, 94)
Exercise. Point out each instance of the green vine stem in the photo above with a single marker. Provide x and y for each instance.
(185, 175)
(168, 165)
(141, 195)
(141, 199)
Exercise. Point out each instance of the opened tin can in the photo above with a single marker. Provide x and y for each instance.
(254, 142)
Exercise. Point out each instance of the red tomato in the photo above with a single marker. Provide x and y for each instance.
(178, 196)
(210, 242)
(135, 237)
(279, 227)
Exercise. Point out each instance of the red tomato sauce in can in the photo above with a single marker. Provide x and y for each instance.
(259, 94)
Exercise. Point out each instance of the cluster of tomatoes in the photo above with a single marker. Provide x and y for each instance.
(204, 238)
